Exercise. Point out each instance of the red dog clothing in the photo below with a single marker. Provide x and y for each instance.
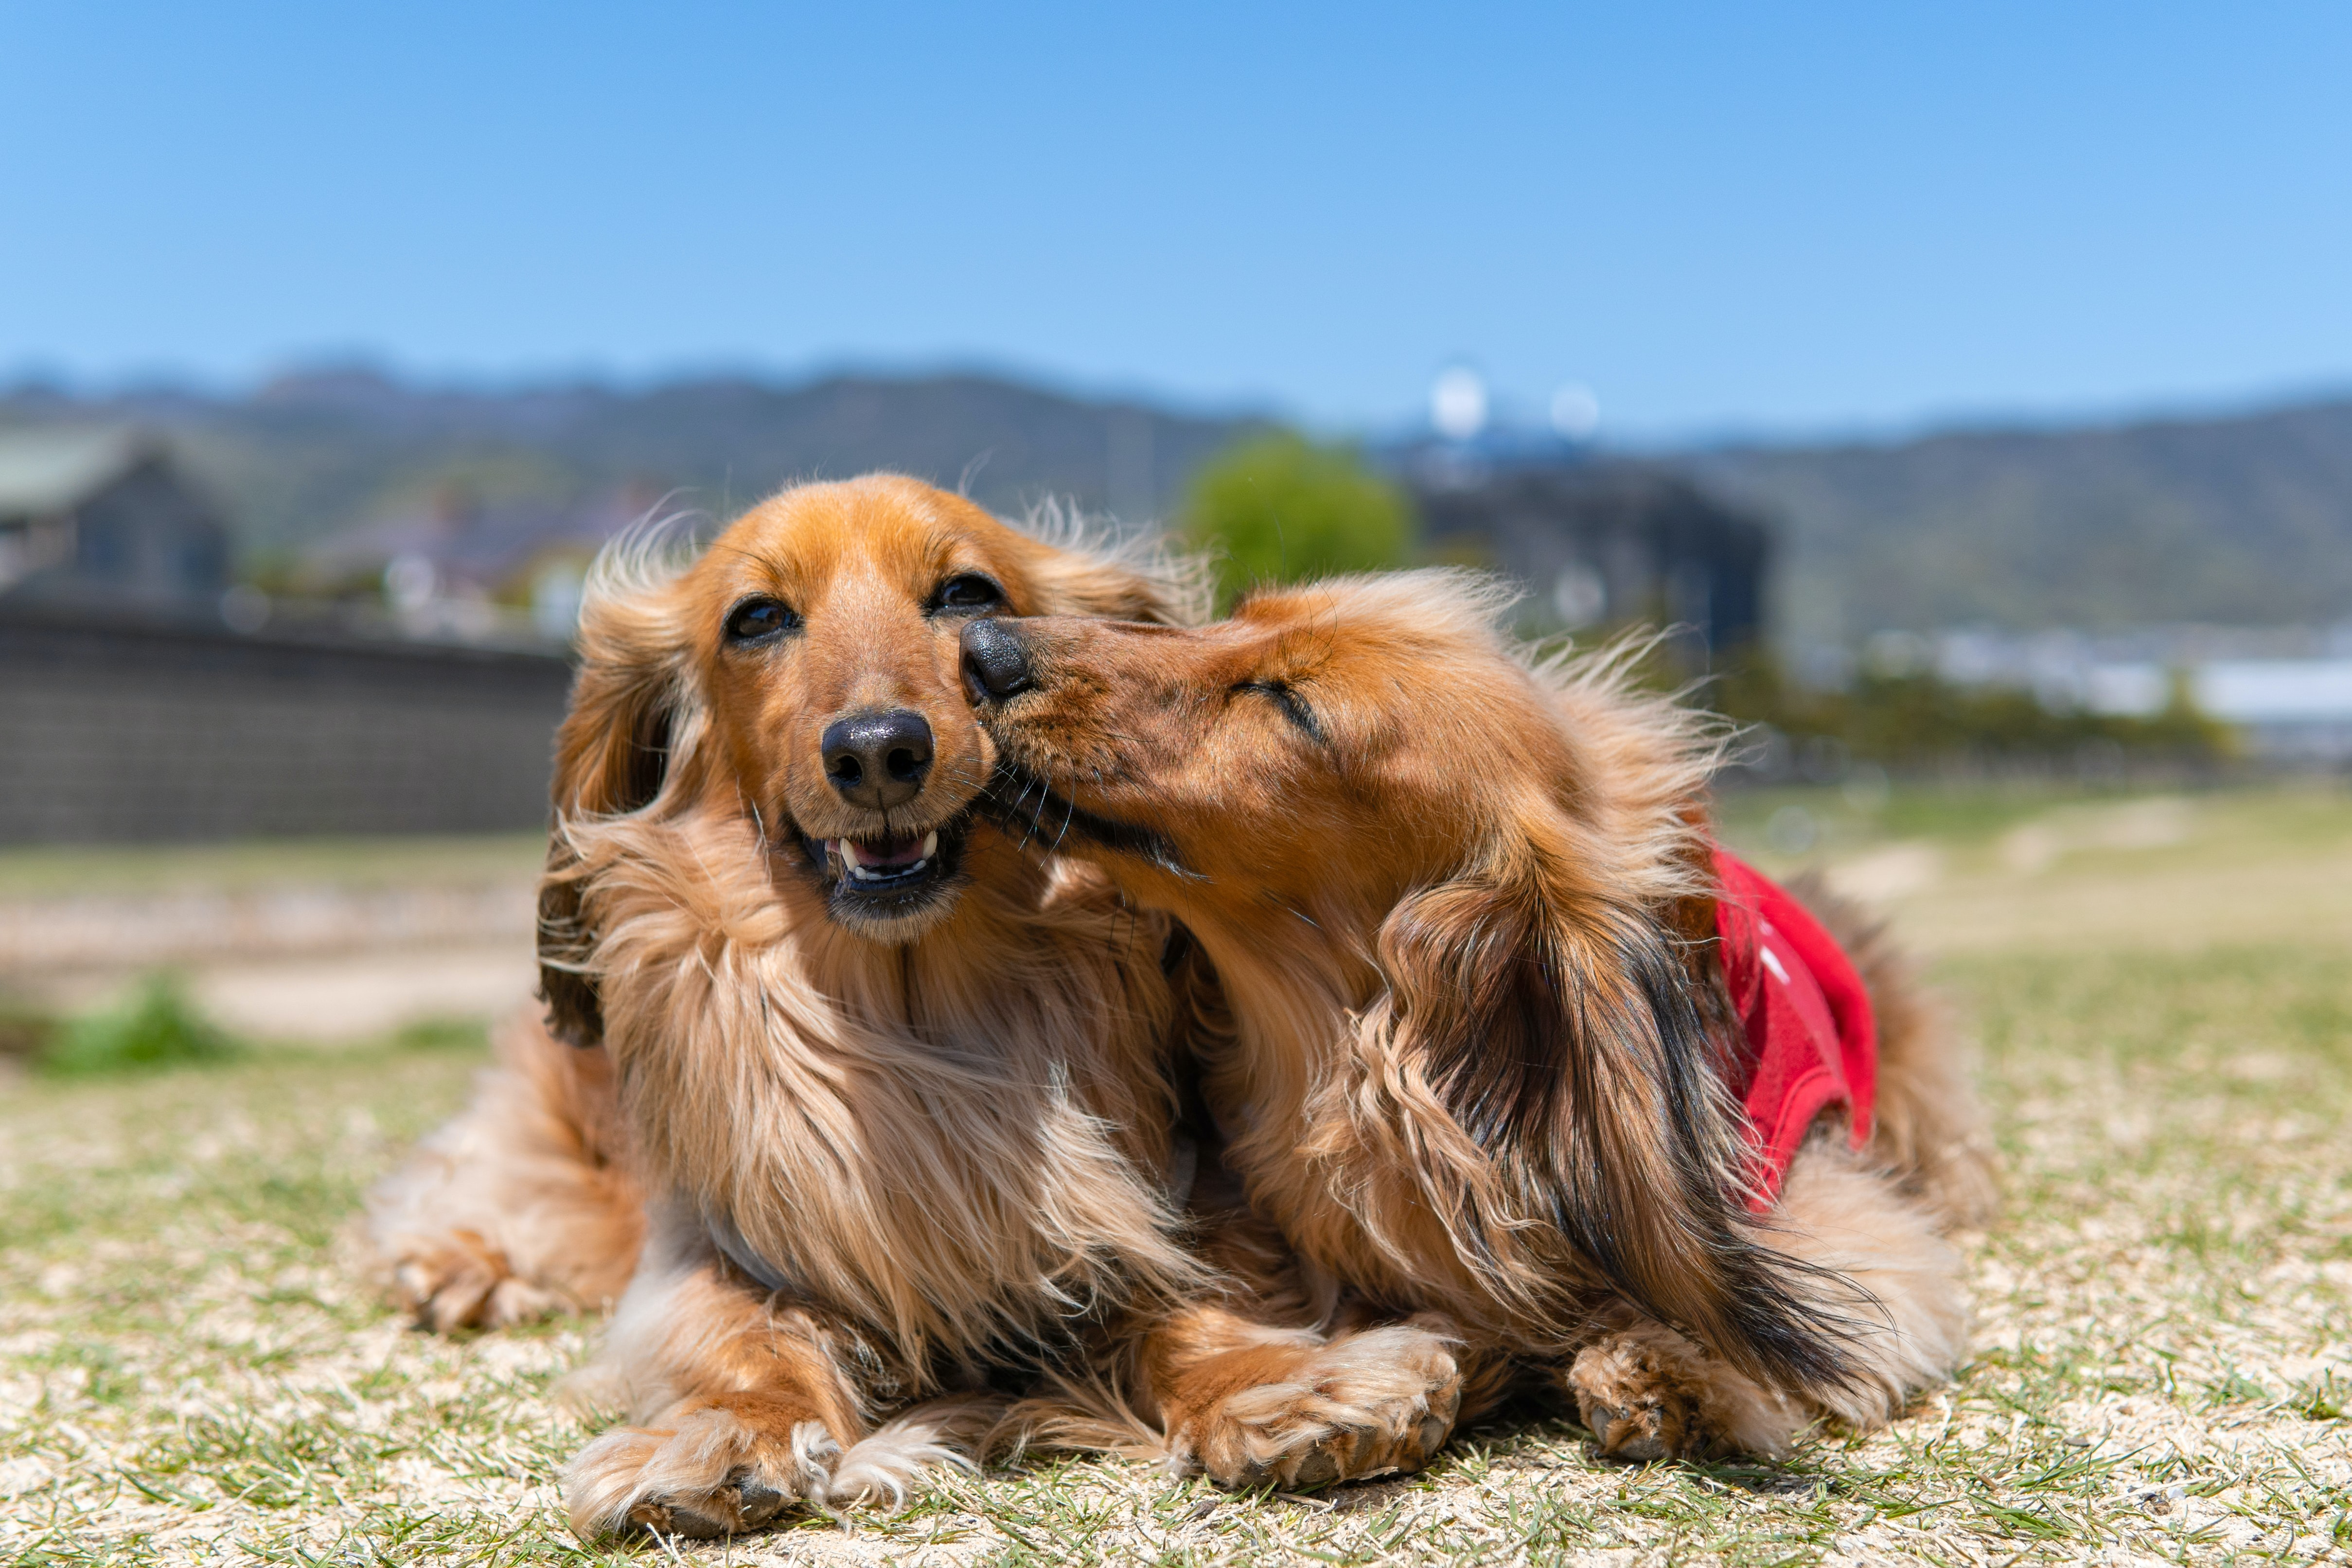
(1811, 1041)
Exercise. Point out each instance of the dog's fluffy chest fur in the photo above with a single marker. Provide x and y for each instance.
(960, 1142)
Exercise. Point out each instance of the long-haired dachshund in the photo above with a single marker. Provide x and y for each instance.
(895, 1087)
(1512, 1045)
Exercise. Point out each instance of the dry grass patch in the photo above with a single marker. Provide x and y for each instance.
(189, 1372)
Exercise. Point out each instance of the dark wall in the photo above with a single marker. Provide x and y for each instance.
(119, 730)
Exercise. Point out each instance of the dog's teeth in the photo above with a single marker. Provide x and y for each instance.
(931, 844)
(848, 853)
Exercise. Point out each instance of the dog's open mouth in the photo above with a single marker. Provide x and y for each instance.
(889, 877)
(885, 862)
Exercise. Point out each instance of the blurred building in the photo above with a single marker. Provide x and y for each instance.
(1601, 543)
(105, 514)
(458, 567)
(2287, 690)
(143, 698)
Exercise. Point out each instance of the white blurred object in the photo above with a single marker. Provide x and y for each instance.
(1579, 596)
(2275, 691)
(1457, 403)
(409, 583)
(1575, 412)
(2137, 690)
(555, 601)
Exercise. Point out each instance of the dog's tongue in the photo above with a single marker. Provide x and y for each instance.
(882, 855)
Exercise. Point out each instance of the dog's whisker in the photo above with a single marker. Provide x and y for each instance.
(1070, 815)
(1036, 818)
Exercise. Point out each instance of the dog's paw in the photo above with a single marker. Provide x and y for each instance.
(459, 1280)
(713, 1467)
(1364, 1405)
(1650, 1394)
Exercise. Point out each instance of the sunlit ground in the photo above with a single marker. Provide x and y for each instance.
(2159, 991)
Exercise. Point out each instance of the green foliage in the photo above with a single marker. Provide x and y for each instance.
(442, 1034)
(1919, 720)
(158, 1027)
(1279, 508)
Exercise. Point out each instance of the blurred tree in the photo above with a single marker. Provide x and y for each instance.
(1280, 508)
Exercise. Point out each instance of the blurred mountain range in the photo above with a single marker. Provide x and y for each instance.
(2244, 520)
(311, 455)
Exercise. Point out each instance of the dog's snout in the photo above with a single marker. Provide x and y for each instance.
(879, 759)
(995, 662)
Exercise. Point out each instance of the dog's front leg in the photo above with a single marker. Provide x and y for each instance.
(742, 1402)
(1254, 1403)
(522, 1204)
(1257, 1387)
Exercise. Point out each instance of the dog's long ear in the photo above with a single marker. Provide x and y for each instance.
(633, 713)
(1082, 570)
(1563, 1034)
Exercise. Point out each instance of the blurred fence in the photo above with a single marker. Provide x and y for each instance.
(121, 725)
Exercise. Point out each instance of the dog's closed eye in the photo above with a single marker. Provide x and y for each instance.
(1293, 707)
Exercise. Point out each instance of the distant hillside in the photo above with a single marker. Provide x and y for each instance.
(2245, 520)
(312, 455)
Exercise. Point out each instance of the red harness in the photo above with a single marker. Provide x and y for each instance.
(1813, 1042)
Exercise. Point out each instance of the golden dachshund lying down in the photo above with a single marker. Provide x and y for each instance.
(892, 1089)
(1511, 1045)
(1259, 1043)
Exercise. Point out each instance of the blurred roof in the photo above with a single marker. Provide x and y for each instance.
(55, 470)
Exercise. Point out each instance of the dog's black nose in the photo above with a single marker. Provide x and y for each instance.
(877, 759)
(996, 664)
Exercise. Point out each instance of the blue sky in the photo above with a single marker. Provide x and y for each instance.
(1764, 217)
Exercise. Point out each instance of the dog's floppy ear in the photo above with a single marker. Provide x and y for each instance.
(1075, 584)
(621, 746)
(1563, 1034)
(1081, 571)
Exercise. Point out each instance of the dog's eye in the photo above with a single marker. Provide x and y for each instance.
(966, 591)
(756, 618)
(1293, 707)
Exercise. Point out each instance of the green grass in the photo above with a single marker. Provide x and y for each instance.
(191, 1370)
(45, 871)
(1971, 823)
(156, 1027)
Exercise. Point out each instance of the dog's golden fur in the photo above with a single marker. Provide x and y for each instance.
(1444, 967)
(890, 1142)
(1461, 907)
(524, 1203)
